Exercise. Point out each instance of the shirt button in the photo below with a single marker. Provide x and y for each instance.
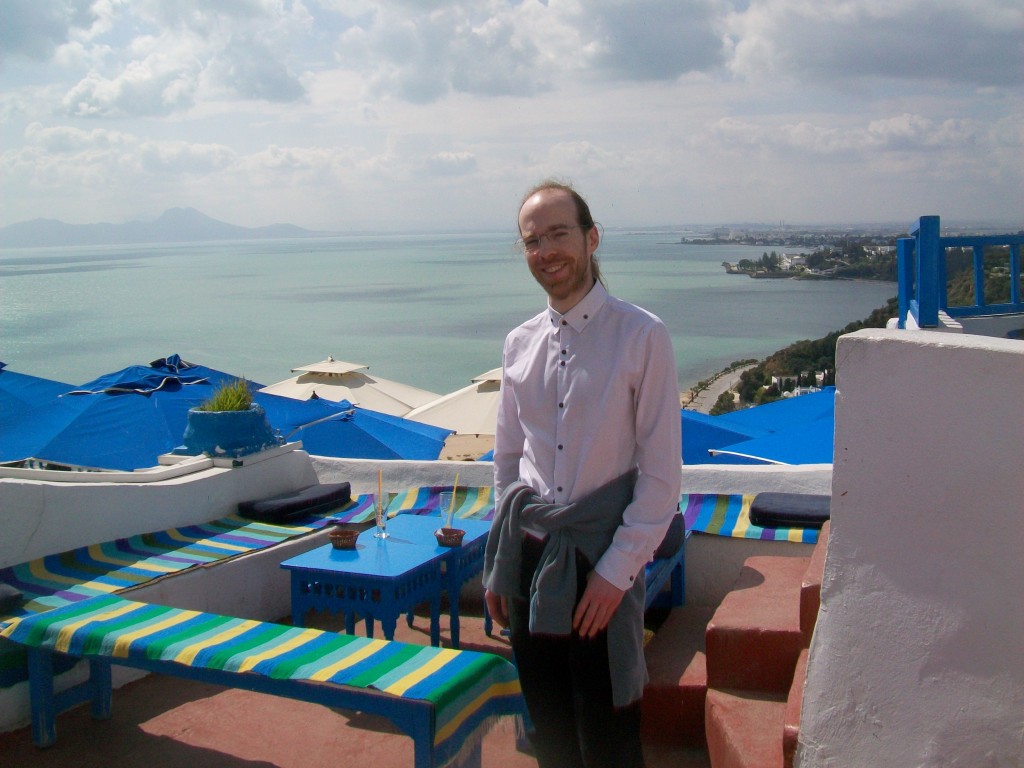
(565, 351)
(561, 405)
(559, 489)
(559, 446)
(565, 322)
(562, 363)
(586, 317)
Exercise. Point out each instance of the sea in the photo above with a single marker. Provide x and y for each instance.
(429, 310)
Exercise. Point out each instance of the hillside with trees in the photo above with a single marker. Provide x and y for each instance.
(848, 258)
(960, 276)
(804, 363)
(812, 363)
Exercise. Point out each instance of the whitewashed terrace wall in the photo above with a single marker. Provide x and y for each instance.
(916, 658)
(712, 562)
(43, 517)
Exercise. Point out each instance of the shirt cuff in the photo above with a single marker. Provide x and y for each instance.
(618, 568)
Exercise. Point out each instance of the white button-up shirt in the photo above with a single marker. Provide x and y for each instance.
(585, 397)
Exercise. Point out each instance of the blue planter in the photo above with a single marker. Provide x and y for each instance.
(229, 433)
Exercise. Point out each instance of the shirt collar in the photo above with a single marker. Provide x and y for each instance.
(579, 316)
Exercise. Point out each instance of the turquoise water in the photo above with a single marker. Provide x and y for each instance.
(428, 310)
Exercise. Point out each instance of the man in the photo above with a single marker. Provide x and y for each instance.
(587, 473)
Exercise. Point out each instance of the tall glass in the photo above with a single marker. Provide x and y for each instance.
(381, 502)
(447, 506)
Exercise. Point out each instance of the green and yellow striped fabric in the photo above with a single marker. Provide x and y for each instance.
(109, 567)
(729, 515)
(471, 503)
(466, 688)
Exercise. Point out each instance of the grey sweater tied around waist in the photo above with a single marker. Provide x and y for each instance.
(587, 525)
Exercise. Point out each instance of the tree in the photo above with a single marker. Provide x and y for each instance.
(812, 356)
(725, 403)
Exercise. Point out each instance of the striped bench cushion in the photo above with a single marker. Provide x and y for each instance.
(107, 568)
(729, 515)
(465, 688)
(470, 504)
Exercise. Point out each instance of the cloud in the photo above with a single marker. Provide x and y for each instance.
(658, 40)
(151, 58)
(34, 29)
(890, 40)
(160, 83)
(250, 69)
(905, 133)
(450, 164)
(63, 140)
(423, 52)
(76, 158)
(179, 158)
(377, 114)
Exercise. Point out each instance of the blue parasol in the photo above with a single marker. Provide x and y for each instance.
(365, 434)
(19, 391)
(796, 430)
(126, 419)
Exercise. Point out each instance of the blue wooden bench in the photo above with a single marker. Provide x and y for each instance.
(442, 698)
(669, 569)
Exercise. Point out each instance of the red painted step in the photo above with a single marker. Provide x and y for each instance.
(673, 703)
(810, 590)
(754, 637)
(745, 728)
(791, 723)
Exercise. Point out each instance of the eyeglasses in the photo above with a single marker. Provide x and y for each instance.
(556, 237)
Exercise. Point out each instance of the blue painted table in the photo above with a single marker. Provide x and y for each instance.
(383, 578)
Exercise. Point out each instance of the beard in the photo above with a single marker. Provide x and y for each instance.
(577, 280)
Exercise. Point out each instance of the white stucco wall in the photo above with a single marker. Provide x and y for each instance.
(916, 659)
(42, 517)
(712, 562)
(696, 478)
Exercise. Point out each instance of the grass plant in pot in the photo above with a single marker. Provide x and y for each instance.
(229, 424)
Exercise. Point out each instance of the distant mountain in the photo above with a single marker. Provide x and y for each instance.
(177, 225)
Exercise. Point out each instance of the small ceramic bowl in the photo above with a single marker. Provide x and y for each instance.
(343, 538)
(449, 537)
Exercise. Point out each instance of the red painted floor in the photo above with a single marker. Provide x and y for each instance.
(164, 722)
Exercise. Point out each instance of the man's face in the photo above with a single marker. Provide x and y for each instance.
(558, 251)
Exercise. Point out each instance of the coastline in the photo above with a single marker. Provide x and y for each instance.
(702, 400)
(355, 298)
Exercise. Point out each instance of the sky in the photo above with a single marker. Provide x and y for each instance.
(437, 115)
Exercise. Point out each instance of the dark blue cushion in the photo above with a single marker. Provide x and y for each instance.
(297, 504)
(10, 598)
(790, 510)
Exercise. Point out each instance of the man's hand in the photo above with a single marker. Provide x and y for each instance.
(497, 605)
(600, 600)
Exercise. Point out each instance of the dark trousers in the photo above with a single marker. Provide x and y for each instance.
(568, 690)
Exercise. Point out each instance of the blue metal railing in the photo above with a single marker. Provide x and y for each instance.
(921, 262)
